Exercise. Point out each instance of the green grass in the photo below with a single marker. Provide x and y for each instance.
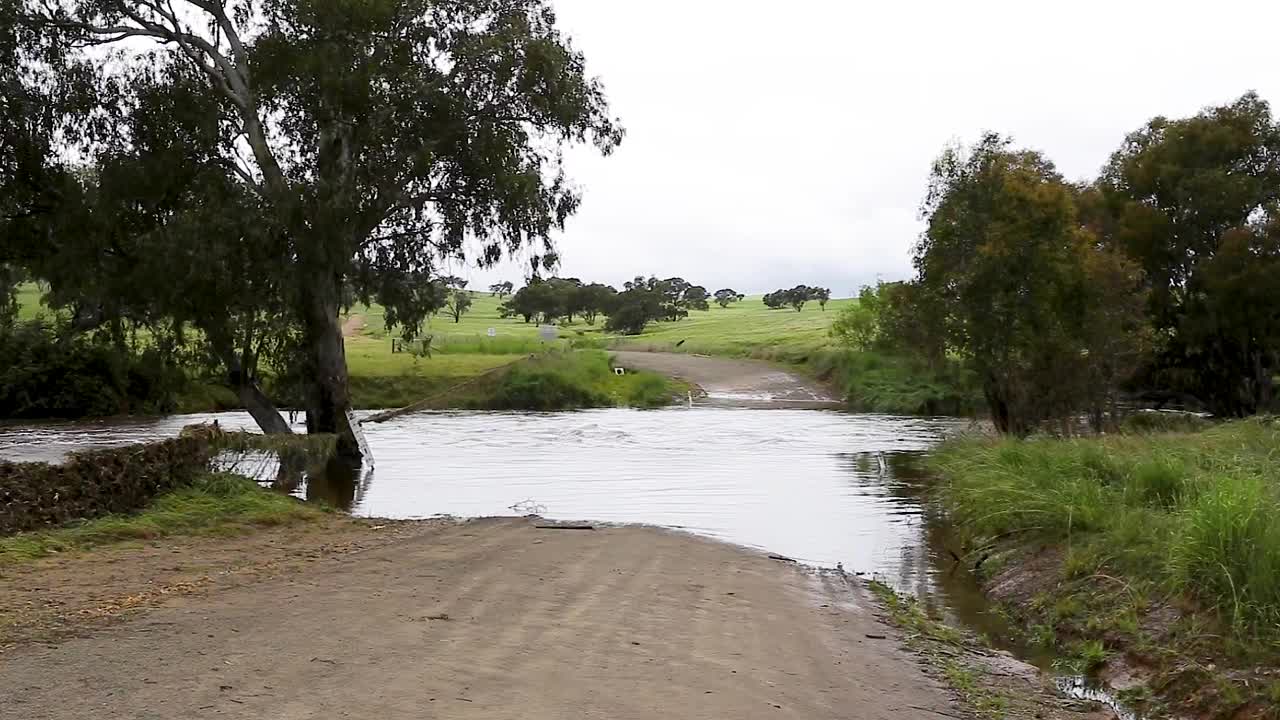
(218, 504)
(1195, 515)
(29, 305)
(745, 329)
(380, 379)
(880, 383)
(578, 379)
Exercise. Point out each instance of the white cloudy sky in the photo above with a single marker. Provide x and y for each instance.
(776, 143)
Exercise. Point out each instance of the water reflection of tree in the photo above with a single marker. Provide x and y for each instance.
(337, 483)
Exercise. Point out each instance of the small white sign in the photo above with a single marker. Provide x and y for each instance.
(492, 332)
(360, 439)
(548, 332)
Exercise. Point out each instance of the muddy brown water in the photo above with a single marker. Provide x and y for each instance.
(820, 487)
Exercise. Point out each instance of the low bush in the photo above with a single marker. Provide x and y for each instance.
(44, 373)
(579, 379)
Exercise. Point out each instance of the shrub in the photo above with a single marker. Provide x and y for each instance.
(45, 374)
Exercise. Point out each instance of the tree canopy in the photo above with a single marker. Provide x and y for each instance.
(726, 297)
(1019, 283)
(369, 140)
(1194, 202)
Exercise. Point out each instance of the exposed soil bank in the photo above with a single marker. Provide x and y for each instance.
(725, 381)
(486, 619)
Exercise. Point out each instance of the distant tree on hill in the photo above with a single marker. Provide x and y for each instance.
(726, 296)
(823, 296)
(695, 298)
(502, 289)
(644, 301)
(458, 303)
(796, 297)
(673, 290)
(595, 299)
(453, 282)
(539, 300)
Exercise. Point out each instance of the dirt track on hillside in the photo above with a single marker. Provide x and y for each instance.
(489, 619)
(745, 383)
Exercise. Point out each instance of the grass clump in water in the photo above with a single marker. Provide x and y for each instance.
(216, 504)
(582, 379)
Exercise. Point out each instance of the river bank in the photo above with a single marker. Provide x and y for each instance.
(489, 618)
(1149, 561)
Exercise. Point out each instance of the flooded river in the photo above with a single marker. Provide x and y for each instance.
(821, 487)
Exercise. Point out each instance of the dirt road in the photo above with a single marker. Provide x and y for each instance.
(488, 619)
(353, 325)
(747, 383)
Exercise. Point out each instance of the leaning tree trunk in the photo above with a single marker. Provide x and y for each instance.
(328, 400)
(242, 380)
(261, 408)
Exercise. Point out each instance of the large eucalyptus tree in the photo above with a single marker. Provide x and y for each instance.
(375, 136)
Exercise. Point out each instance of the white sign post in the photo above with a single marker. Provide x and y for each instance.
(548, 332)
(492, 333)
(360, 441)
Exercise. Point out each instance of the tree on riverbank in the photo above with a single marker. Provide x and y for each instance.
(1022, 286)
(427, 125)
(1196, 202)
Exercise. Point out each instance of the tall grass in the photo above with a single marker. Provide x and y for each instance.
(484, 345)
(1197, 514)
(880, 383)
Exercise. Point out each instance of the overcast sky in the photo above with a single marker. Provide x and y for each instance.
(776, 143)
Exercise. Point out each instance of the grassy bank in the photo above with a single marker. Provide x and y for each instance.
(217, 504)
(1159, 550)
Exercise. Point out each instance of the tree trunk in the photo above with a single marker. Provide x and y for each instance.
(264, 412)
(261, 408)
(328, 400)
